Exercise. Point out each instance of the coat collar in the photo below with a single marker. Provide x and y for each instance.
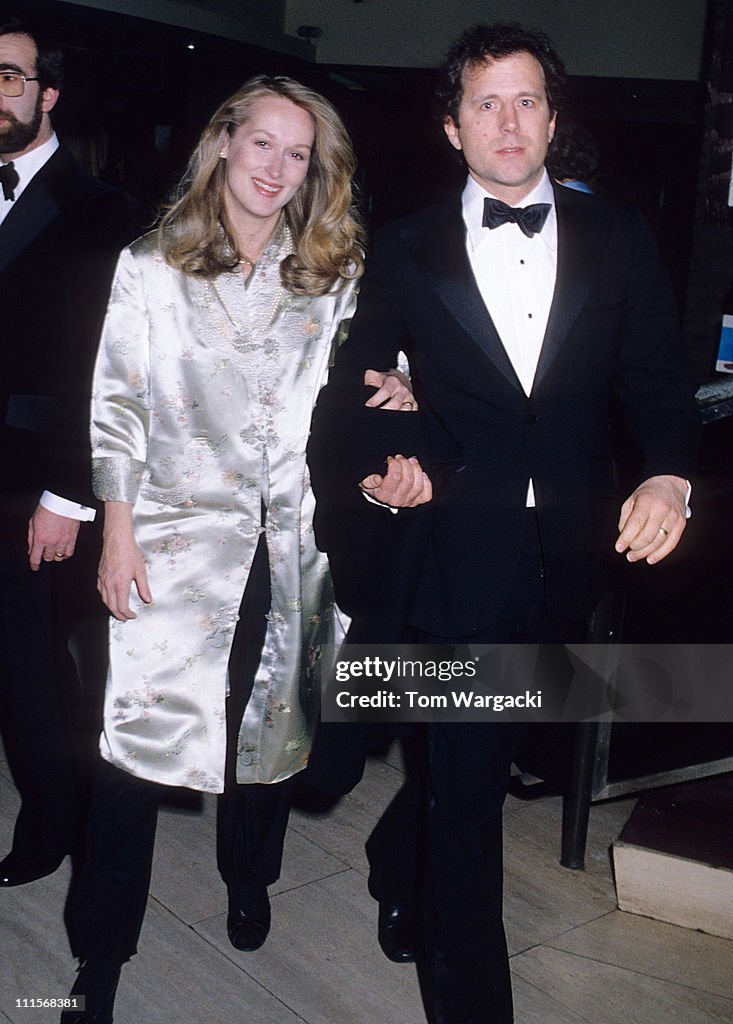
(252, 307)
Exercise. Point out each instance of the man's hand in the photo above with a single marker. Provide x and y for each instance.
(121, 563)
(394, 391)
(653, 519)
(51, 537)
(404, 485)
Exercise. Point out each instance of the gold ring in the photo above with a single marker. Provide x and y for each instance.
(664, 532)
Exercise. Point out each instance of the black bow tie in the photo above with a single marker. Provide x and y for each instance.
(8, 179)
(530, 219)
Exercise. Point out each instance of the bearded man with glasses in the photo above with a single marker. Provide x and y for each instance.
(60, 232)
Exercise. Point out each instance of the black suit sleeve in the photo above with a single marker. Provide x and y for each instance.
(349, 441)
(370, 549)
(653, 381)
(101, 229)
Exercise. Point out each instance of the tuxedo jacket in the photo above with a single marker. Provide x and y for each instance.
(612, 330)
(58, 249)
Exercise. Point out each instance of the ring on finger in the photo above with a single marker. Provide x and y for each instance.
(665, 533)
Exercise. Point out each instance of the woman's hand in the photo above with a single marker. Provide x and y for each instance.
(394, 391)
(121, 563)
(404, 485)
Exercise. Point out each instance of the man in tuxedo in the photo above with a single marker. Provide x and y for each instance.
(523, 309)
(60, 232)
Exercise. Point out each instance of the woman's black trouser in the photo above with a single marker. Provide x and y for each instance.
(107, 905)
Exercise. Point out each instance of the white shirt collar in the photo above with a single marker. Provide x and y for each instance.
(473, 209)
(30, 163)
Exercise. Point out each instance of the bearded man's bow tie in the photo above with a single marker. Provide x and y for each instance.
(8, 179)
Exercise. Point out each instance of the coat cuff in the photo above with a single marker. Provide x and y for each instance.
(116, 478)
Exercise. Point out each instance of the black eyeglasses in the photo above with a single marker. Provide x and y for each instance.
(12, 83)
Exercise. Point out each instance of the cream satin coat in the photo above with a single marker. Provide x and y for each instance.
(202, 402)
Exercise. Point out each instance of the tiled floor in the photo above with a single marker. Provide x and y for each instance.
(575, 958)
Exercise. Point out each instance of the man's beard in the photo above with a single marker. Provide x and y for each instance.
(18, 135)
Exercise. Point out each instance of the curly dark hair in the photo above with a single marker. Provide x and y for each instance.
(486, 42)
(50, 60)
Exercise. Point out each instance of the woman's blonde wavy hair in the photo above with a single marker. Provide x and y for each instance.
(194, 236)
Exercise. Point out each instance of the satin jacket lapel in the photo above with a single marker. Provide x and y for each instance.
(581, 232)
(34, 211)
(253, 307)
(440, 253)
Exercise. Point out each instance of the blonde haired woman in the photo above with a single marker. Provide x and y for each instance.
(217, 340)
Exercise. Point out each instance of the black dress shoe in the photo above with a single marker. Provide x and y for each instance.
(18, 870)
(397, 932)
(97, 982)
(248, 926)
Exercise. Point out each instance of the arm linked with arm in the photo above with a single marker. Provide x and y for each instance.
(349, 441)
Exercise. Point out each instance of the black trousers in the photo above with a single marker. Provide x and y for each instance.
(49, 700)
(251, 819)
(106, 906)
(454, 862)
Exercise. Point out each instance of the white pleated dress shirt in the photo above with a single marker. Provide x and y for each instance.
(516, 277)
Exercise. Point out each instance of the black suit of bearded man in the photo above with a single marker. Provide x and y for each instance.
(58, 248)
(449, 568)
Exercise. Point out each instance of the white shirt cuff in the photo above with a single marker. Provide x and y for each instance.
(373, 501)
(688, 495)
(64, 507)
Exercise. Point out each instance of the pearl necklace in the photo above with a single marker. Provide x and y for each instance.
(251, 335)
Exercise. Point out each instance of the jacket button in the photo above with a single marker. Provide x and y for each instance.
(531, 419)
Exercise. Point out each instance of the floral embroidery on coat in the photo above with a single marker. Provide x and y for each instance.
(203, 394)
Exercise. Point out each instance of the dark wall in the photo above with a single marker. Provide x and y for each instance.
(142, 84)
